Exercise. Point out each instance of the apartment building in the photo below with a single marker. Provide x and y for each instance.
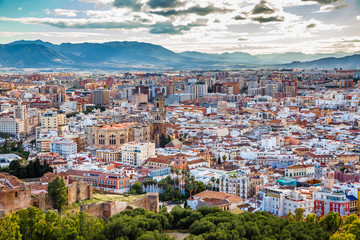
(136, 153)
(297, 171)
(63, 147)
(326, 201)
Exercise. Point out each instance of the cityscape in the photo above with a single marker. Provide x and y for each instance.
(175, 119)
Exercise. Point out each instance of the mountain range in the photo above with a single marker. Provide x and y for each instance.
(139, 55)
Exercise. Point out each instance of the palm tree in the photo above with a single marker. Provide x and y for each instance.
(172, 170)
(218, 182)
(213, 182)
(209, 187)
(195, 187)
(192, 179)
(190, 188)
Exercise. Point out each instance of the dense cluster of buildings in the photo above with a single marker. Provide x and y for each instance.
(264, 140)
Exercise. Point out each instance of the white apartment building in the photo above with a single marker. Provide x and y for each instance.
(63, 147)
(240, 184)
(136, 153)
(268, 143)
(282, 201)
(14, 127)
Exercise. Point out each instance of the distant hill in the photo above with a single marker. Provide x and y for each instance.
(349, 62)
(139, 55)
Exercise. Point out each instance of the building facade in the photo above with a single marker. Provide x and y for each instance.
(136, 153)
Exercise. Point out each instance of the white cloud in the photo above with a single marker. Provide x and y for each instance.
(64, 12)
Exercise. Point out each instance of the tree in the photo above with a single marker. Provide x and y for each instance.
(164, 140)
(343, 236)
(136, 188)
(219, 161)
(311, 218)
(332, 222)
(9, 229)
(299, 214)
(224, 158)
(58, 193)
(290, 216)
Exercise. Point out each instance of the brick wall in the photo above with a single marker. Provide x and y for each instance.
(104, 210)
(15, 199)
(78, 191)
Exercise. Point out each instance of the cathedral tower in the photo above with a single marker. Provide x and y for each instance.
(159, 117)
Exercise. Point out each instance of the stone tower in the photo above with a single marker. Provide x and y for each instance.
(159, 117)
(329, 179)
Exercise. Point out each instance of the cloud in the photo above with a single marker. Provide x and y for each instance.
(239, 17)
(165, 3)
(262, 8)
(132, 4)
(330, 8)
(358, 17)
(64, 12)
(243, 39)
(323, 2)
(77, 23)
(168, 28)
(355, 40)
(268, 19)
(99, 3)
(201, 11)
(311, 25)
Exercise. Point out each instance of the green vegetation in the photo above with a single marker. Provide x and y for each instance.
(136, 188)
(58, 193)
(205, 223)
(4, 135)
(73, 114)
(33, 169)
(164, 140)
(15, 148)
(87, 111)
(173, 186)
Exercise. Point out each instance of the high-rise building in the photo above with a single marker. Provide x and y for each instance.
(101, 97)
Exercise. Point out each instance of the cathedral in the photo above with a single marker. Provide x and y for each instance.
(115, 135)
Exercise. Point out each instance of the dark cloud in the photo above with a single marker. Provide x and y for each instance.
(132, 4)
(268, 19)
(311, 25)
(201, 11)
(239, 17)
(323, 2)
(165, 3)
(169, 28)
(262, 8)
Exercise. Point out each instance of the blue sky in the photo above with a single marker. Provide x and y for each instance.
(261, 26)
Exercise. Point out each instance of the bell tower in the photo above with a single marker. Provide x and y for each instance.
(159, 117)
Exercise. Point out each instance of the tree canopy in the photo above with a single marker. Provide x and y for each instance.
(205, 223)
